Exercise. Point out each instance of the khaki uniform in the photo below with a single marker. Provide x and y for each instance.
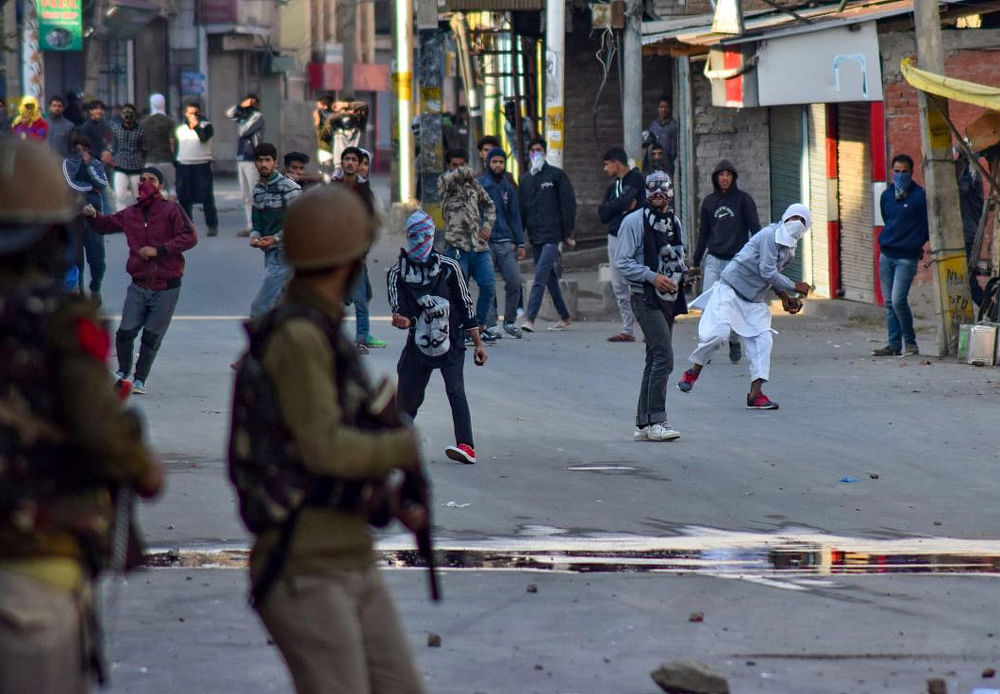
(328, 611)
(48, 558)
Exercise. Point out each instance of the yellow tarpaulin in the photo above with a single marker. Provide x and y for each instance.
(951, 88)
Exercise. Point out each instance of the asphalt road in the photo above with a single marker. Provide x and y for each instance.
(553, 416)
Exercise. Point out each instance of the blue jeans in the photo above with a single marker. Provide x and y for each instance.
(547, 270)
(94, 251)
(505, 261)
(896, 276)
(360, 296)
(276, 275)
(479, 266)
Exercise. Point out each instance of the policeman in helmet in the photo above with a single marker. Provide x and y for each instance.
(323, 602)
(66, 443)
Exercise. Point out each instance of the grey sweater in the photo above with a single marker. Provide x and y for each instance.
(629, 257)
(758, 265)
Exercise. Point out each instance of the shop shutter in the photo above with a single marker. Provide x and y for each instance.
(818, 202)
(853, 164)
(786, 169)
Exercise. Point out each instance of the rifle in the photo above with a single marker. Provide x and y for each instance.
(415, 489)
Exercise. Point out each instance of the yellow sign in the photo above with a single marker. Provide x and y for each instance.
(554, 124)
(953, 278)
(402, 85)
(940, 134)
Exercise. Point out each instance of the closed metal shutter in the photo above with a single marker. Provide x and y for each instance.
(819, 252)
(786, 169)
(853, 165)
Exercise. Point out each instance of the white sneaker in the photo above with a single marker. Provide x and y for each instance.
(561, 325)
(641, 434)
(663, 432)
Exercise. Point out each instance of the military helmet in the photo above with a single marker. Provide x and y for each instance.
(327, 227)
(33, 194)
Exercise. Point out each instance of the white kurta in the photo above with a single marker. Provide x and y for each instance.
(724, 312)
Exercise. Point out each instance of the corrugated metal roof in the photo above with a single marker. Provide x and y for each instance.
(696, 30)
(493, 5)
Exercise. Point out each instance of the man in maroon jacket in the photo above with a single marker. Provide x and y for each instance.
(158, 232)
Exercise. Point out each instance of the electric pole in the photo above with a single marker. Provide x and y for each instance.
(349, 40)
(944, 217)
(632, 89)
(430, 74)
(555, 63)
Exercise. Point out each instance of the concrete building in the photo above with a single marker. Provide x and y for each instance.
(812, 107)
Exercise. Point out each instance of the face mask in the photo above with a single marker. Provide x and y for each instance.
(537, 161)
(901, 182)
(795, 229)
(147, 192)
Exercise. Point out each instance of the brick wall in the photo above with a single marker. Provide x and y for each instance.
(740, 135)
(582, 157)
(970, 54)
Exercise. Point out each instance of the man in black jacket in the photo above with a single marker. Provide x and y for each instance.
(728, 220)
(625, 193)
(548, 211)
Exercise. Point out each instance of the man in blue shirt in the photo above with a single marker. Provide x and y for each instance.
(904, 233)
(506, 240)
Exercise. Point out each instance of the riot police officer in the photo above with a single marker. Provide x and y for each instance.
(308, 464)
(67, 447)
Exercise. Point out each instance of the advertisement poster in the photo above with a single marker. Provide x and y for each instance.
(60, 25)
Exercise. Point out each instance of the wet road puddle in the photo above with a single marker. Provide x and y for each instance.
(722, 554)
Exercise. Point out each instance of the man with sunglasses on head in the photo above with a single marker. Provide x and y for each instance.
(649, 254)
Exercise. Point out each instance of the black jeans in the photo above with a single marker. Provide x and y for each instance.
(194, 185)
(657, 329)
(415, 373)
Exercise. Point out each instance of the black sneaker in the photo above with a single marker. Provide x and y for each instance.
(735, 351)
(886, 351)
(487, 337)
(910, 350)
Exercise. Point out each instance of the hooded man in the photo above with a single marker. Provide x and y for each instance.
(728, 220)
(649, 255)
(506, 240)
(738, 302)
(157, 232)
(158, 130)
(623, 195)
(29, 124)
(429, 297)
(469, 216)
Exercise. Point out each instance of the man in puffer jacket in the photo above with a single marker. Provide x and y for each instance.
(469, 215)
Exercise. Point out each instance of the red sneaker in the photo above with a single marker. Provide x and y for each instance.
(761, 402)
(463, 453)
(687, 381)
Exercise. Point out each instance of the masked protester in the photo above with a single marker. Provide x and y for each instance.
(901, 246)
(548, 209)
(649, 254)
(67, 442)
(738, 302)
(429, 298)
(29, 124)
(158, 232)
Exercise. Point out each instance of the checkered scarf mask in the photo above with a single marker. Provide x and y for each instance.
(419, 236)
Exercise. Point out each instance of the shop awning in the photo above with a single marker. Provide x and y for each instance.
(951, 88)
